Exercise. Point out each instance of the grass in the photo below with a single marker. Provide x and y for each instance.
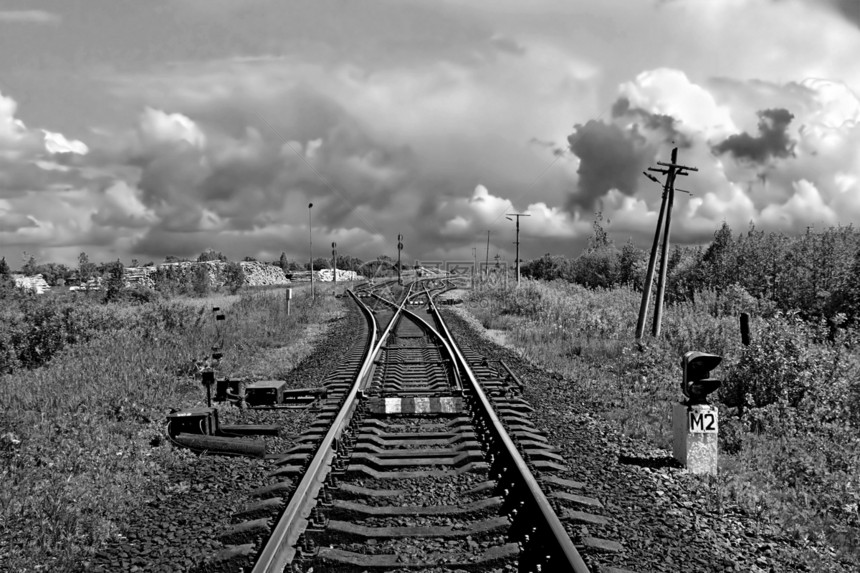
(790, 451)
(77, 435)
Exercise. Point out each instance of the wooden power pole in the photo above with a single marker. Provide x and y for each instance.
(672, 170)
(399, 266)
(334, 262)
(487, 260)
(517, 242)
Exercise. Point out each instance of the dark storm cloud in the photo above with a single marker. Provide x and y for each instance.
(850, 9)
(18, 178)
(157, 243)
(772, 141)
(610, 157)
(508, 45)
(665, 126)
(358, 169)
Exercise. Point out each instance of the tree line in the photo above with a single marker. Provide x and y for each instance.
(816, 273)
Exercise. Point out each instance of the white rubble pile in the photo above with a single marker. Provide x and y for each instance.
(256, 273)
(261, 274)
(140, 276)
(35, 283)
(326, 275)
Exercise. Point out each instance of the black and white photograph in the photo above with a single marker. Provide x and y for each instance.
(414, 286)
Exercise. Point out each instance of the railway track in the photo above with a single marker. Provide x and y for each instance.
(421, 458)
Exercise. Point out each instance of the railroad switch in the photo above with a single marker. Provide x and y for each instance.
(265, 392)
(303, 396)
(197, 421)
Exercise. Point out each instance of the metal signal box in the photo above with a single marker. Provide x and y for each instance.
(265, 392)
(195, 421)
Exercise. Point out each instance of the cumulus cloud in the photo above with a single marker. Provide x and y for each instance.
(203, 178)
(806, 205)
(220, 173)
(29, 16)
(609, 158)
(835, 105)
(819, 185)
(321, 138)
(57, 143)
(670, 93)
(122, 208)
(228, 154)
(773, 139)
(467, 218)
(157, 127)
(12, 129)
(33, 160)
(664, 127)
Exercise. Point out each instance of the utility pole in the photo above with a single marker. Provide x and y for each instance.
(673, 169)
(399, 268)
(517, 242)
(334, 262)
(475, 265)
(311, 250)
(487, 260)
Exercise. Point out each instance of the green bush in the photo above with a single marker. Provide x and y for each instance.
(37, 327)
(792, 363)
(201, 285)
(234, 277)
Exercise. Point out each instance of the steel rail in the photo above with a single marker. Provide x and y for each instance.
(451, 286)
(384, 338)
(571, 556)
(457, 381)
(280, 547)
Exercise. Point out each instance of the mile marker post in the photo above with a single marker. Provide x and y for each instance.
(289, 297)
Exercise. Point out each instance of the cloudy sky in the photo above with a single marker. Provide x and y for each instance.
(134, 129)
